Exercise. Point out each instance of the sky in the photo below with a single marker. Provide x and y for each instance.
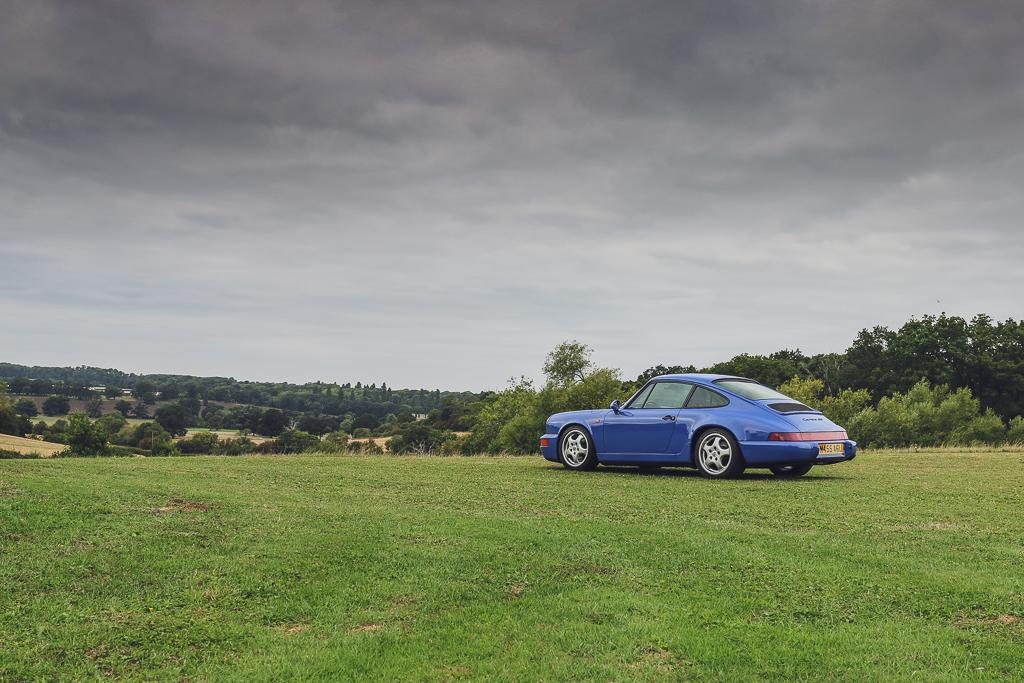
(436, 193)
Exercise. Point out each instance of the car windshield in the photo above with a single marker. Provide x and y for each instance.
(748, 389)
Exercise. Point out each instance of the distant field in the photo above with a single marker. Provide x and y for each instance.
(50, 419)
(28, 446)
(894, 566)
(226, 434)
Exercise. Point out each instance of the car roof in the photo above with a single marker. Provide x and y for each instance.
(700, 377)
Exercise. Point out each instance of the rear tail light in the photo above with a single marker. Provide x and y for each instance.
(807, 436)
(545, 442)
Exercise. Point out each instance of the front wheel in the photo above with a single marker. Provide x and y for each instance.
(577, 449)
(791, 470)
(718, 455)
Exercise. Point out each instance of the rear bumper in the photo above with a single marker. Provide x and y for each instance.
(549, 451)
(793, 452)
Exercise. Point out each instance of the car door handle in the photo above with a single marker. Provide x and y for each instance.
(669, 418)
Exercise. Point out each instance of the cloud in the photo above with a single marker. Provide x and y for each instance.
(436, 193)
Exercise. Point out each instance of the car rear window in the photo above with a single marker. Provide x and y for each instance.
(791, 408)
(749, 389)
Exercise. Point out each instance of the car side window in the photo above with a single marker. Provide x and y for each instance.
(668, 395)
(638, 400)
(705, 398)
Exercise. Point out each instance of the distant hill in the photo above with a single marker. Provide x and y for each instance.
(83, 382)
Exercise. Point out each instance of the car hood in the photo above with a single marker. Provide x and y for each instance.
(576, 415)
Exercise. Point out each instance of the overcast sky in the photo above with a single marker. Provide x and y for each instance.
(436, 193)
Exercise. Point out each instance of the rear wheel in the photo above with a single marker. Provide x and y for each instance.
(718, 456)
(577, 449)
(791, 470)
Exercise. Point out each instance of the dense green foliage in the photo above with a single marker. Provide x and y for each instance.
(418, 437)
(984, 356)
(56, 405)
(512, 420)
(979, 356)
(509, 569)
(10, 422)
(26, 407)
(85, 437)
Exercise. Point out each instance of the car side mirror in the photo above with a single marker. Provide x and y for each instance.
(616, 406)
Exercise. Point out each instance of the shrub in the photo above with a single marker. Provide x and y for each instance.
(112, 423)
(200, 443)
(984, 429)
(290, 441)
(296, 441)
(238, 446)
(26, 407)
(85, 438)
(1015, 434)
(418, 437)
(927, 416)
(152, 437)
(335, 442)
(164, 448)
(56, 405)
(173, 417)
(455, 445)
(369, 447)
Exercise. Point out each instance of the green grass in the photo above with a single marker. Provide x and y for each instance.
(893, 566)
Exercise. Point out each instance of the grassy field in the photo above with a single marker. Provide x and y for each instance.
(29, 446)
(223, 434)
(894, 566)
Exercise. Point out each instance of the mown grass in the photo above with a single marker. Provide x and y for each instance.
(893, 566)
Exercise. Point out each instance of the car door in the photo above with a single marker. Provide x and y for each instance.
(696, 410)
(645, 426)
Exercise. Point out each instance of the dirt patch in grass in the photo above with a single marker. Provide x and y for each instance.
(927, 526)
(98, 652)
(366, 628)
(516, 589)
(181, 505)
(456, 671)
(657, 658)
(296, 628)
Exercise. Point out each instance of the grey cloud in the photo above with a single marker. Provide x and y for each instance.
(435, 193)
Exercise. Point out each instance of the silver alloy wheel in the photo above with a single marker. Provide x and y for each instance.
(715, 453)
(575, 448)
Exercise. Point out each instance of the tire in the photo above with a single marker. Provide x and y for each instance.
(791, 470)
(576, 449)
(717, 455)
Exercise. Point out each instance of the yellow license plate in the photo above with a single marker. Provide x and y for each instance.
(830, 449)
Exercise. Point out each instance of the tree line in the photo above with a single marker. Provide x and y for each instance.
(934, 380)
(318, 397)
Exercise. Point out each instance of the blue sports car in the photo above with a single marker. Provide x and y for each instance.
(716, 423)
